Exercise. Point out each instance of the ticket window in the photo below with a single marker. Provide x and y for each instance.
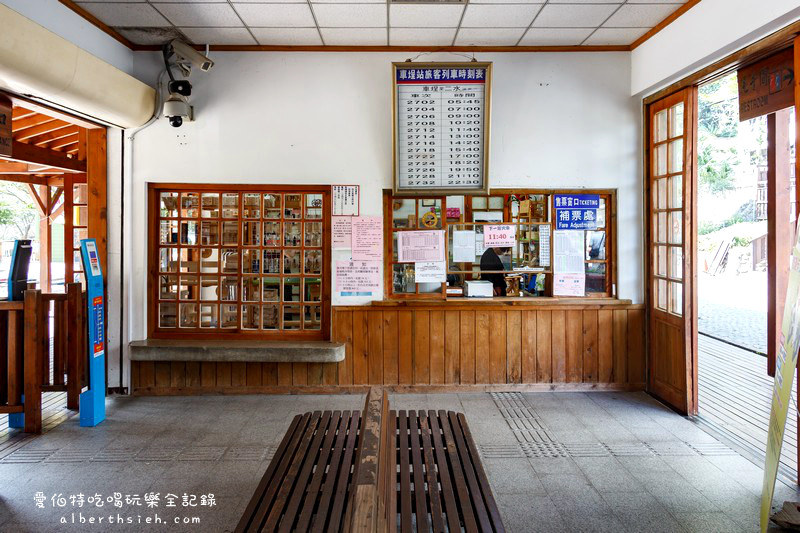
(527, 264)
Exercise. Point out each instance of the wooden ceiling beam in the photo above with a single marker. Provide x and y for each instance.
(29, 133)
(54, 135)
(28, 153)
(30, 122)
(63, 142)
(24, 178)
(20, 113)
(52, 113)
(24, 168)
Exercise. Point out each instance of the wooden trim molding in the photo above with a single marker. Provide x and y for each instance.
(98, 23)
(664, 23)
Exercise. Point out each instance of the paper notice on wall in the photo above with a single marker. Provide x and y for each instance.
(463, 246)
(430, 271)
(341, 230)
(544, 245)
(414, 246)
(367, 238)
(358, 278)
(569, 284)
(345, 200)
(499, 235)
(568, 252)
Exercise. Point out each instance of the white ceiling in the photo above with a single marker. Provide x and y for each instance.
(382, 22)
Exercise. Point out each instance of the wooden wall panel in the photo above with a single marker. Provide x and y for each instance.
(577, 348)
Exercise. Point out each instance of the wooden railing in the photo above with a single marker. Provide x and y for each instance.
(26, 345)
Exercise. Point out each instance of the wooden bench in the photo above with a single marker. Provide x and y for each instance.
(372, 471)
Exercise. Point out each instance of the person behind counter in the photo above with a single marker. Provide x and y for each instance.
(492, 267)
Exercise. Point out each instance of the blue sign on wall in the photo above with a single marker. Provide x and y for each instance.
(93, 401)
(576, 211)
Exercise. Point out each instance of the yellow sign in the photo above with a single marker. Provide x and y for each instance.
(785, 364)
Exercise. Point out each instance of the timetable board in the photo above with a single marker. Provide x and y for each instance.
(441, 127)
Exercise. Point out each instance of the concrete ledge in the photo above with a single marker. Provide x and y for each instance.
(237, 351)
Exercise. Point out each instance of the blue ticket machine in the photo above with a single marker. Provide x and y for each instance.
(93, 401)
(17, 283)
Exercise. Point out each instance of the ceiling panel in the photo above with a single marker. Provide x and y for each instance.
(421, 36)
(555, 36)
(640, 16)
(219, 36)
(499, 16)
(206, 15)
(354, 36)
(275, 15)
(287, 36)
(126, 14)
(364, 22)
(424, 16)
(615, 36)
(574, 16)
(489, 36)
(350, 15)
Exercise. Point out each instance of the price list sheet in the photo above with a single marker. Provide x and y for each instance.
(441, 121)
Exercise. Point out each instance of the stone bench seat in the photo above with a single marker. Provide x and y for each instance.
(238, 351)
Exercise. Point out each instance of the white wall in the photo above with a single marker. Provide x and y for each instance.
(559, 120)
(66, 23)
(707, 32)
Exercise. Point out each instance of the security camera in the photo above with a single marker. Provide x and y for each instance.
(182, 87)
(186, 53)
(176, 109)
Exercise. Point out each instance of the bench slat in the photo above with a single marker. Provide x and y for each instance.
(288, 482)
(451, 509)
(340, 499)
(308, 463)
(475, 496)
(405, 472)
(250, 520)
(338, 424)
(458, 474)
(486, 490)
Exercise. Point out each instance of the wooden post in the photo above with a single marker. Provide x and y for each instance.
(14, 362)
(75, 352)
(779, 228)
(32, 355)
(45, 238)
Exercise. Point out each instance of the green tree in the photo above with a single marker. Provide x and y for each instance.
(17, 212)
(716, 167)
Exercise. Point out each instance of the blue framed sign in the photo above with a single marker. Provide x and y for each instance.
(576, 211)
(93, 401)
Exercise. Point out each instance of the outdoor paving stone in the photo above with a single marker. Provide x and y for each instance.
(554, 465)
(556, 484)
(649, 521)
(708, 523)
(518, 512)
(512, 476)
(685, 499)
(595, 523)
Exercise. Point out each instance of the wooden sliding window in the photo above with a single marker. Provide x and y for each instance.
(239, 261)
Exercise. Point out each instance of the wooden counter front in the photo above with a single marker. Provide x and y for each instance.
(498, 344)
(564, 344)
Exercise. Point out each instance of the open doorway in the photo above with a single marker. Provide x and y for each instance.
(733, 208)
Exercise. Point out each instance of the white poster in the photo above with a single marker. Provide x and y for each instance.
(463, 246)
(413, 246)
(568, 252)
(430, 271)
(345, 200)
(544, 246)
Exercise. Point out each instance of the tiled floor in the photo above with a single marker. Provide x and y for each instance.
(614, 462)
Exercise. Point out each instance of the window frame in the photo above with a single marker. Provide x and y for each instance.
(238, 332)
(610, 228)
